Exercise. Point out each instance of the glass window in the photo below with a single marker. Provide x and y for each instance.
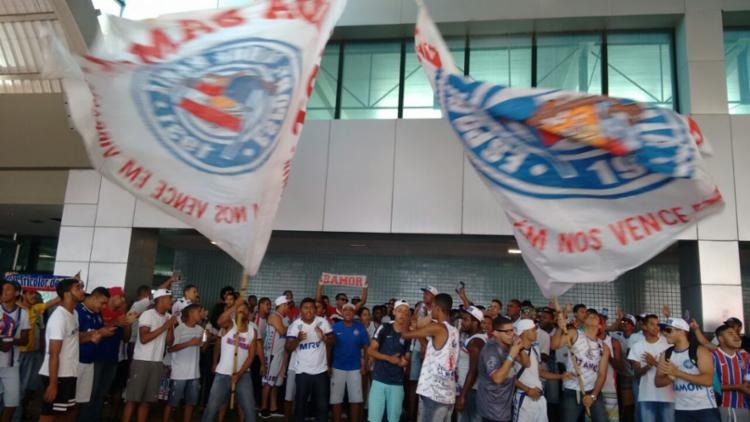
(322, 104)
(737, 59)
(501, 60)
(640, 67)
(371, 80)
(420, 101)
(571, 62)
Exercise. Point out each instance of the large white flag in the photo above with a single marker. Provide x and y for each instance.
(199, 113)
(593, 186)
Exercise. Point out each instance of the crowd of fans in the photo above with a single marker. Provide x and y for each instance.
(91, 357)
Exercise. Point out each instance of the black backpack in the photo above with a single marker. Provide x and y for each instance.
(692, 353)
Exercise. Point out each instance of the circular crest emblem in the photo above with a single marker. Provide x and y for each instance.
(220, 110)
(356, 332)
(687, 364)
(518, 157)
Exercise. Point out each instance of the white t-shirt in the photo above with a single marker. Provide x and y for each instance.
(311, 353)
(20, 316)
(152, 351)
(647, 390)
(185, 361)
(226, 359)
(138, 307)
(62, 325)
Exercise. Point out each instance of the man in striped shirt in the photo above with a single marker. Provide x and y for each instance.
(731, 365)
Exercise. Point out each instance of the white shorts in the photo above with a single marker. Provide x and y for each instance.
(273, 370)
(350, 381)
(84, 382)
(530, 410)
(290, 386)
(11, 383)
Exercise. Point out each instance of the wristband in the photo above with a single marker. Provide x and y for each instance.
(510, 358)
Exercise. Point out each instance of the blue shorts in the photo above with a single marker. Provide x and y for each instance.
(187, 390)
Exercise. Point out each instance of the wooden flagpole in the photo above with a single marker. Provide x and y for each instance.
(243, 293)
(576, 366)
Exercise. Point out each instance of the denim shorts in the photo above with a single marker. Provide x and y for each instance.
(187, 390)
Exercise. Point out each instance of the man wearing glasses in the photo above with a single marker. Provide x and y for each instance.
(496, 374)
(690, 368)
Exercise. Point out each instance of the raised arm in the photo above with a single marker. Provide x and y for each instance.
(500, 374)
(702, 339)
(362, 302)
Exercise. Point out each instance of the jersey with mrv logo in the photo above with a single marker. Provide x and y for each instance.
(311, 353)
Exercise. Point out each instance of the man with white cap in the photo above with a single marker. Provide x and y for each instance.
(274, 341)
(350, 337)
(468, 358)
(155, 330)
(391, 354)
(690, 369)
(529, 403)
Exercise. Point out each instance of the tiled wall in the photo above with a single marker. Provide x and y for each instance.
(645, 289)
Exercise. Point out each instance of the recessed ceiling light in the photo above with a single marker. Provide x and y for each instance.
(213, 243)
(514, 251)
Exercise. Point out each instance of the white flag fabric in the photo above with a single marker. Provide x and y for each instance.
(199, 113)
(593, 186)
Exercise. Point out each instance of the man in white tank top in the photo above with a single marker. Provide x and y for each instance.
(437, 380)
(468, 359)
(273, 350)
(690, 369)
(588, 359)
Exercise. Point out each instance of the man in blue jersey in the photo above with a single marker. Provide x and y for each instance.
(350, 338)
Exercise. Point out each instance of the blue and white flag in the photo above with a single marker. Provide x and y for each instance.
(199, 113)
(593, 186)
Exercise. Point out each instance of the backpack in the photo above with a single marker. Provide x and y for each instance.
(692, 353)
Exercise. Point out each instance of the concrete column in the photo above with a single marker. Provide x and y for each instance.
(95, 230)
(710, 268)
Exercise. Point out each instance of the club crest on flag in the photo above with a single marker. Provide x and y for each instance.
(522, 143)
(221, 111)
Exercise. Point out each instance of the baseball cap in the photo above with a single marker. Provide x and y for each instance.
(116, 291)
(677, 323)
(348, 305)
(430, 289)
(162, 292)
(475, 312)
(400, 303)
(733, 321)
(630, 318)
(281, 300)
(522, 325)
